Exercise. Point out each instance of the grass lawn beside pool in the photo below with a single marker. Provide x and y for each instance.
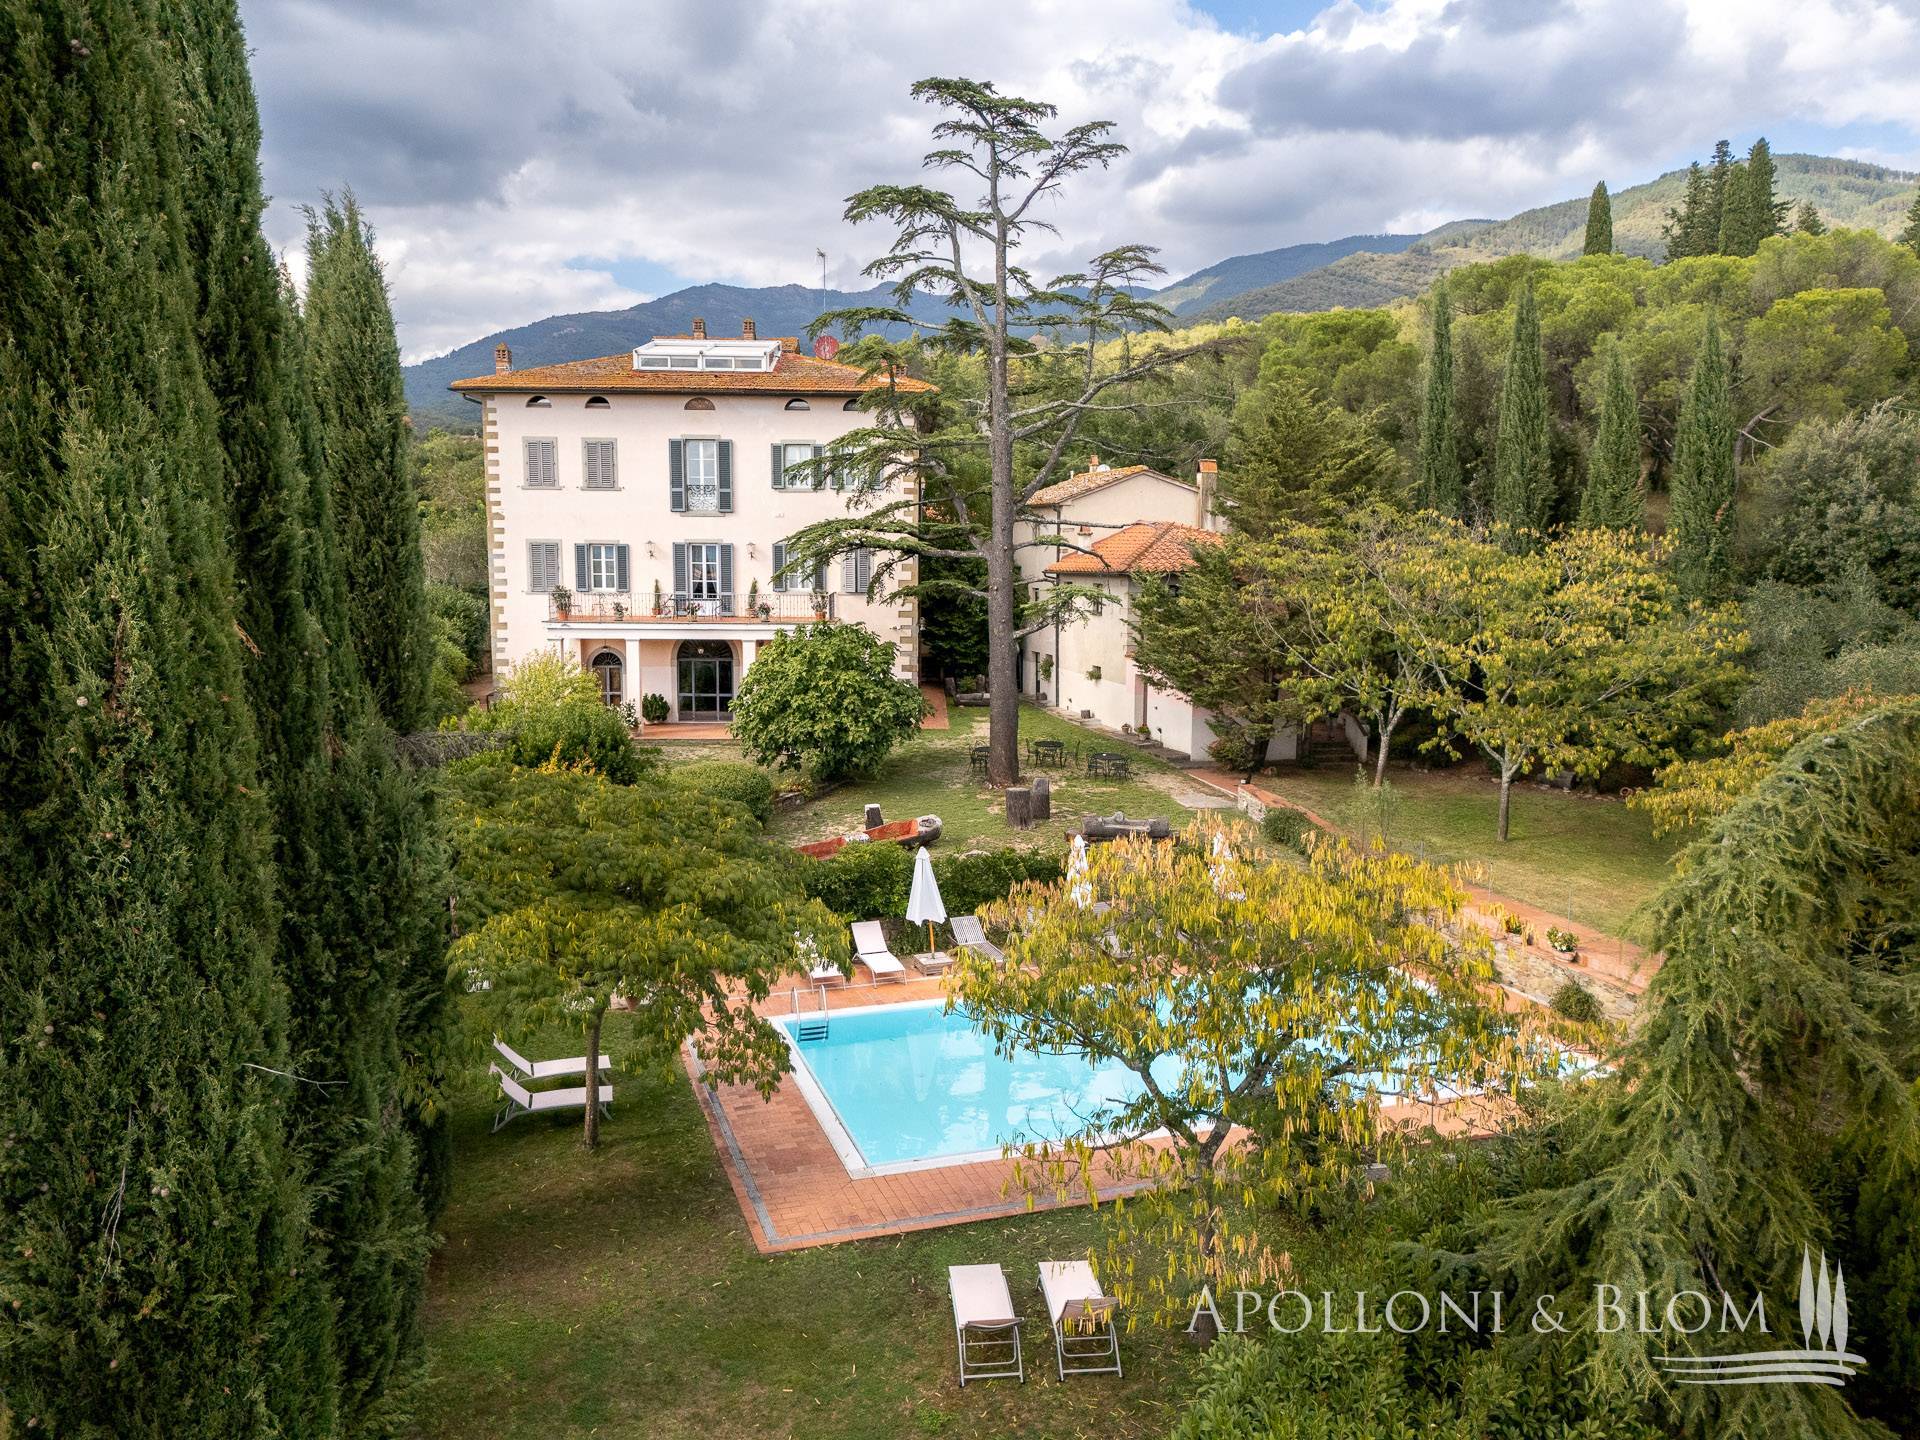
(618, 1295)
(1588, 854)
(930, 775)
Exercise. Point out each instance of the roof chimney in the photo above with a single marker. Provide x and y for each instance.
(1203, 503)
(699, 328)
(502, 358)
(746, 330)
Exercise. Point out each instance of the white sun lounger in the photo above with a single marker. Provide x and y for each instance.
(1084, 1340)
(870, 949)
(983, 1320)
(969, 935)
(543, 1069)
(516, 1100)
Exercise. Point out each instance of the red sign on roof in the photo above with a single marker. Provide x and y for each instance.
(825, 348)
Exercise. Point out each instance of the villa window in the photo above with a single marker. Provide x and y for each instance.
(599, 402)
(793, 467)
(543, 464)
(539, 402)
(798, 404)
(606, 567)
(598, 463)
(543, 565)
(700, 476)
(856, 571)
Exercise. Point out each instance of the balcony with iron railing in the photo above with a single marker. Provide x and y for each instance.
(767, 607)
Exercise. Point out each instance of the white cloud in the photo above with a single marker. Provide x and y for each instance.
(505, 152)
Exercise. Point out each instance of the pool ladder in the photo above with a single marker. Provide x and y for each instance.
(810, 1022)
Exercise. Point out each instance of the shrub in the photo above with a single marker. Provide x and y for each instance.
(1288, 828)
(1573, 1001)
(971, 880)
(1233, 751)
(746, 785)
(823, 699)
(552, 710)
(863, 882)
(654, 709)
(1562, 939)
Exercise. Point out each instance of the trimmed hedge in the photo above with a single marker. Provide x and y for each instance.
(866, 881)
(733, 780)
(1573, 1001)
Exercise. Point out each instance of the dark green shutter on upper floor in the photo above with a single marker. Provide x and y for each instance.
(580, 570)
(725, 467)
(677, 474)
(679, 568)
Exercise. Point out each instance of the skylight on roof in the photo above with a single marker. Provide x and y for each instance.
(704, 354)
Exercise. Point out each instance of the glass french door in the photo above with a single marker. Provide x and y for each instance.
(706, 679)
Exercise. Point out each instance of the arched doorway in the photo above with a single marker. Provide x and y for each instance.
(706, 679)
(609, 668)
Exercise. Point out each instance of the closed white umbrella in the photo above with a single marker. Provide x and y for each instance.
(1079, 887)
(923, 902)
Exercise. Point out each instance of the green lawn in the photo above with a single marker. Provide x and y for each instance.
(930, 775)
(618, 1295)
(1588, 856)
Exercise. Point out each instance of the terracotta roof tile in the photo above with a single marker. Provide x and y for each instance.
(792, 374)
(1087, 481)
(1140, 548)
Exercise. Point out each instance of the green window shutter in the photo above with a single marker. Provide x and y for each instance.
(680, 569)
(779, 467)
(677, 474)
(863, 569)
(620, 567)
(580, 569)
(726, 580)
(820, 479)
(725, 447)
(779, 564)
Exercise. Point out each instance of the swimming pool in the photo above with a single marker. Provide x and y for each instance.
(903, 1087)
(910, 1086)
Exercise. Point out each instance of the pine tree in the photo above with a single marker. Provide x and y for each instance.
(356, 850)
(1685, 227)
(353, 373)
(1736, 229)
(1522, 463)
(1438, 482)
(1613, 494)
(1808, 221)
(1720, 173)
(1599, 222)
(1910, 237)
(1751, 213)
(1700, 518)
(154, 1248)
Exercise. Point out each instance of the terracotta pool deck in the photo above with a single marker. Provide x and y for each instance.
(795, 1193)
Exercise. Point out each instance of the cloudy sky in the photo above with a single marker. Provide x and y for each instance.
(524, 159)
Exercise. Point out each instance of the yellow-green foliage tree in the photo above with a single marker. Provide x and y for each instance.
(1255, 999)
(576, 890)
(1574, 656)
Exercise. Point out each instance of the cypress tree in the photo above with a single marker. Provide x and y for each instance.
(1599, 222)
(154, 1254)
(1438, 483)
(1720, 174)
(1700, 520)
(1736, 235)
(356, 852)
(1767, 216)
(1808, 221)
(1613, 495)
(1910, 237)
(1686, 224)
(1522, 462)
(353, 374)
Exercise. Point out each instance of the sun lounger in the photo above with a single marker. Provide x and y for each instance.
(870, 949)
(516, 1100)
(543, 1069)
(969, 935)
(983, 1321)
(1084, 1339)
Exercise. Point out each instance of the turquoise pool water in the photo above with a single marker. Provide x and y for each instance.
(910, 1084)
(913, 1083)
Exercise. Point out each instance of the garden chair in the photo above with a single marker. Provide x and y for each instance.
(542, 1069)
(969, 934)
(517, 1100)
(871, 950)
(1084, 1339)
(983, 1319)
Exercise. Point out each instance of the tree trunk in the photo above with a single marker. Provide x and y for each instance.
(593, 1075)
(1003, 679)
(1385, 740)
(1506, 799)
(1257, 753)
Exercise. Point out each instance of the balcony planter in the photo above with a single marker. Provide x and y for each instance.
(764, 611)
(562, 602)
(1565, 944)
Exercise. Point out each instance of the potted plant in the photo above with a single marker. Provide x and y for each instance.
(1512, 923)
(1565, 943)
(653, 709)
(1093, 672)
(630, 715)
(562, 601)
(619, 610)
(819, 604)
(659, 600)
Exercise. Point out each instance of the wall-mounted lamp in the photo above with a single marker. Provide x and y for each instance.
(753, 551)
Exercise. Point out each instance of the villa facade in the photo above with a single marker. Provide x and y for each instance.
(639, 507)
